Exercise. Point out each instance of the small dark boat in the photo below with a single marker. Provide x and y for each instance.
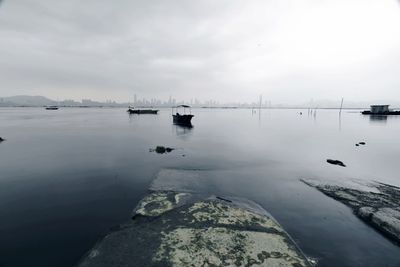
(142, 111)
(182, 119)
(367, 112)
(52, 108)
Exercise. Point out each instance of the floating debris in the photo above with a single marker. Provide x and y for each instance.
(376, 204)
(335, 162)
(162, 149)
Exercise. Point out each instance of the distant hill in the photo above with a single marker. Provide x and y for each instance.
(40, 101)
(26, 100)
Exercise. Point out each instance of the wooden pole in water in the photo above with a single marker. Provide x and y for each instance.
(341, 106)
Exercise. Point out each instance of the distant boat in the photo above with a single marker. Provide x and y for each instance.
(380, 110)
(52, 108)
(182, 119)
(142, 111)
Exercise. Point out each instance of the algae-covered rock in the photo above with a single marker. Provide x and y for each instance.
(180, 224)
(182, 229)
(157, 203)
(220, 246)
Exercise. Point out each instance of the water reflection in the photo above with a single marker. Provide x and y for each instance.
(183, 130)
(131, 117)
(378, 119)
(66, 176)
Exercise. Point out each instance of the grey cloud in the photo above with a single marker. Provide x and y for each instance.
(230, 50)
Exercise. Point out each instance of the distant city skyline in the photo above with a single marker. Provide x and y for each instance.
(24, 100)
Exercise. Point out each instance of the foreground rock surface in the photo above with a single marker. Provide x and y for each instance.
(186, 229)
(376, 203)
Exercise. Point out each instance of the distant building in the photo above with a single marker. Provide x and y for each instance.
(379, 109)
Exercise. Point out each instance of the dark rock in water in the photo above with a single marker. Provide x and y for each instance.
(379, 209)
(362, 143)
(336, 162)
(162, 149)
(2, 139)
(357, 145)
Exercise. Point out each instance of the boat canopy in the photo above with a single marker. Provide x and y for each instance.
(184, 108)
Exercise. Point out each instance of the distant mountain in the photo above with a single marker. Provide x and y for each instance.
(26, 100)
(40, 101)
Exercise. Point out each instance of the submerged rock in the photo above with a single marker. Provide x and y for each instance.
(187, 229)
(162, 149)
(335, 162)
(378, 204)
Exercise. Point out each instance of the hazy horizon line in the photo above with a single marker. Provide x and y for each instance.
(155, 102)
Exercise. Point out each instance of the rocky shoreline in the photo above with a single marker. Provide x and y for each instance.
(377, 204)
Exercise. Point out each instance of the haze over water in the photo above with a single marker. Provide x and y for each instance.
(68, 176)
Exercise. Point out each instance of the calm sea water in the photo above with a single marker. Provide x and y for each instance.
(68, 176)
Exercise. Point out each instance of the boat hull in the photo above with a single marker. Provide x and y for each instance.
(182, 119)
(142, 111)
(367, 112)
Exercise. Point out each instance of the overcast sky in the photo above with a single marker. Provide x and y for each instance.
(228, 50)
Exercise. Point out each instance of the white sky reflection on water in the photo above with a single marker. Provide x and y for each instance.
(73, 173)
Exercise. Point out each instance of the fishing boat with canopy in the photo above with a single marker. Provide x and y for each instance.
(182, 119)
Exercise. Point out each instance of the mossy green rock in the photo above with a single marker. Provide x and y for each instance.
(184, 229)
